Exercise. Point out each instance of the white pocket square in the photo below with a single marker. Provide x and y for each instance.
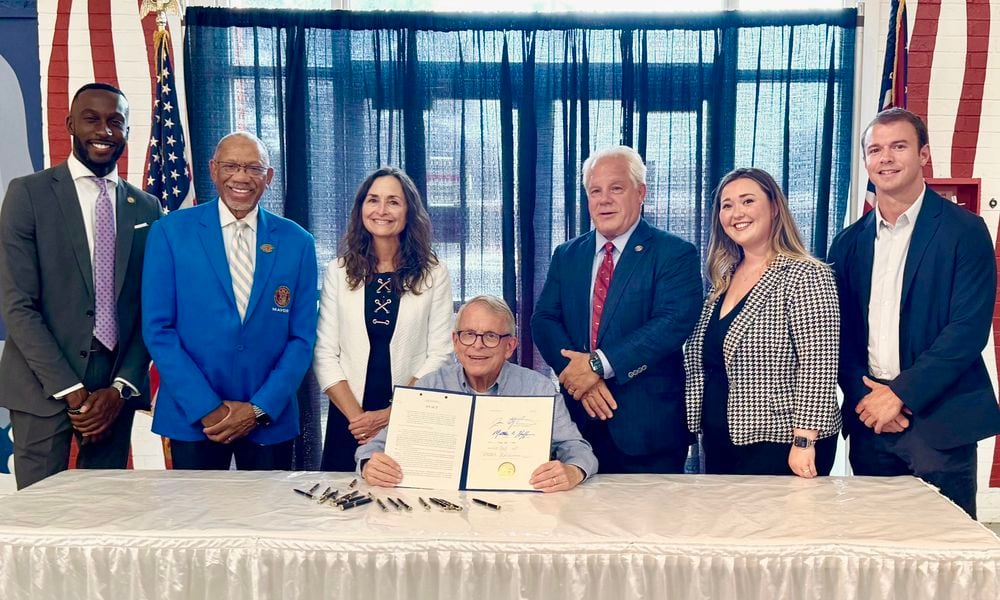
(141, 225)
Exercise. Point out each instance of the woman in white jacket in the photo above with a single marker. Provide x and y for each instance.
(385, 312)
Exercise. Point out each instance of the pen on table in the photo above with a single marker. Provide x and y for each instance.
(424, 503)
(381, 505)
(313, 489)
(348, 497)
(353, 483)
(303, 492)
(325, 494)
(393, 503)
(331, 495)
(405, 505)
(486, 504)
(359, 502)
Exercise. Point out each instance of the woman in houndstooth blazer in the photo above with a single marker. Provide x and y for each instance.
(385, 313)
(761, 364)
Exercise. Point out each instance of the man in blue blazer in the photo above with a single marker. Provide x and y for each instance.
(617, 305)
(229, 316)
(917, 282)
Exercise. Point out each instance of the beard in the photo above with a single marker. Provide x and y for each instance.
(97, 168)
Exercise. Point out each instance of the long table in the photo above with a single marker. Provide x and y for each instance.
(238, 535)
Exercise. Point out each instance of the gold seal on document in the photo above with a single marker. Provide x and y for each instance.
(506, 469)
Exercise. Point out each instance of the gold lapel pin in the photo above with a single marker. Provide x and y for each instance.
(266, 248)
(130, 200)
(638, 247)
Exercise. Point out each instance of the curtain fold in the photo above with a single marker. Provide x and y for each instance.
(493, 115)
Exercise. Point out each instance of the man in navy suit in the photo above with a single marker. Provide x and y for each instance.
(917, 280)
(617, 305)
(229, 316)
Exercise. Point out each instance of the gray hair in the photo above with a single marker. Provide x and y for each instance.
(495, 305)
(261, 148)
(636, 168)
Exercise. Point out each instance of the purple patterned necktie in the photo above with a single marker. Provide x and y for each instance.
(106, 319)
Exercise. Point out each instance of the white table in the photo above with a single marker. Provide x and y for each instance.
(231, 535)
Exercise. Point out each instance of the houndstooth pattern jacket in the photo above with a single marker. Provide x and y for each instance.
(780, 353)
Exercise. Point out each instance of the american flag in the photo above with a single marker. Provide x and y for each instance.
(893, 90)
(168, 177)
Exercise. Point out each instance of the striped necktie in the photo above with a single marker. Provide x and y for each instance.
(241, 267)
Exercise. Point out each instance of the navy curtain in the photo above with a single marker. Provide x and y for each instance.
(493, 116)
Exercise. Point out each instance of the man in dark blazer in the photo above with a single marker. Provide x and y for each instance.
(917, 282)
(72, 240)
(617, 305)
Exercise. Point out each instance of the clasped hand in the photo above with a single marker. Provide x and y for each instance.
(229, 422)
(585, 385)
(881, 409)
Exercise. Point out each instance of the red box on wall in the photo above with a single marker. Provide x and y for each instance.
(962, 191)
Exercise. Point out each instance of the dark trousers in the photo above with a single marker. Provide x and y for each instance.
(213, 456)
(953, 471)
(722, 457)
(612, 460)
(42, 444)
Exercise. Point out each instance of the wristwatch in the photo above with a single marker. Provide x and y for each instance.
(803, 442)
(262, 418)
(123, 390)
(596, 365)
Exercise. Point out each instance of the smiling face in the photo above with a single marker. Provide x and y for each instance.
(383, 212)
(482, 365)
(746, 213)
(241, 189)
(895, 160)
(98, 122)
(613, 197)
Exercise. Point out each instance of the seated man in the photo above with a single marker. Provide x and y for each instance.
(484, 339)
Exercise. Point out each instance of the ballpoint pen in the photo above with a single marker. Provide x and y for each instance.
(424, 503)
(359, 502)
(381, 505)
(393, 503)
(486, 504)
(404, 504)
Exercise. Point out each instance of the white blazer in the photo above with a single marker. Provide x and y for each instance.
(421, 341)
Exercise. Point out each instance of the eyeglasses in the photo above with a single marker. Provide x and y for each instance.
(231, 168)
(491, 339)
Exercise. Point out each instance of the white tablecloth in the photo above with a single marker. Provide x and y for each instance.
(228, 535)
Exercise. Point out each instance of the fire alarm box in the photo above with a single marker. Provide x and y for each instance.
(962, 191)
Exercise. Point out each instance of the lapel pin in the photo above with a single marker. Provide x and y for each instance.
(131, 200)
(266, 248)
(638, 247)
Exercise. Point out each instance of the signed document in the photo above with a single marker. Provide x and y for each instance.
(427, 435)
(511, 437)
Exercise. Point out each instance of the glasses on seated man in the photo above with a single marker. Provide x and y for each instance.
(491, 339)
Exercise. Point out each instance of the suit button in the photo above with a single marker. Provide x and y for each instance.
(83, 354)
(90, 313)
(240, 347)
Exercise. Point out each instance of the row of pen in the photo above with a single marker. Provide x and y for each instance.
(353, 498)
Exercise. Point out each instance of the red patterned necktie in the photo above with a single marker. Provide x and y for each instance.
(601, 286)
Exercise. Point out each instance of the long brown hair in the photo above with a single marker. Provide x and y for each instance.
(415, 258)
(724, 254)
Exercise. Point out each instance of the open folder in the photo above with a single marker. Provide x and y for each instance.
(451, 441)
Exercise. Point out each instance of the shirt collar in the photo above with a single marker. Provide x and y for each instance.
(226, 218)
(494, 389)
(78, 170)
(907, 218)
(620, 242)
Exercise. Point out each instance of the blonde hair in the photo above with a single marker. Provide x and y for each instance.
(724, 254)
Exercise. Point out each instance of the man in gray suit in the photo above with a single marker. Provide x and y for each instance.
(72, 239)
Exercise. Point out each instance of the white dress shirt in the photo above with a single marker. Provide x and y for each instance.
(227, 220)
(620, 242)
(892, 244)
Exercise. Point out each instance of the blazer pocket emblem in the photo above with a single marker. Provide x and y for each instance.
(141, 225)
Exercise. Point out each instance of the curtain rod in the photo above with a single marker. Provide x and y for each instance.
(435, 21)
